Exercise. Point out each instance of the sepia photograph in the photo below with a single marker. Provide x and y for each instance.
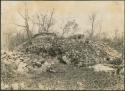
(62, 45)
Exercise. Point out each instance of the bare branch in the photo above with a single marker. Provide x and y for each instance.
(21, 14)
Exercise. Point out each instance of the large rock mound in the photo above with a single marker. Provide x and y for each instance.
(81, 52)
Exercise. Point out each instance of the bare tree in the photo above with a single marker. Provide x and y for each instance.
(92, 20)
(26, 24)
(70, 26)
(50, 21)
(44, 22)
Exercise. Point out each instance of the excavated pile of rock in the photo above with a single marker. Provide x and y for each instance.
(74, 51)
(39, 57)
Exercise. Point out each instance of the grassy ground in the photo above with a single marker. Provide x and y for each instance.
(66, 78)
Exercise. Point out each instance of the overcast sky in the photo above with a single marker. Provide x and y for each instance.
(109, 13)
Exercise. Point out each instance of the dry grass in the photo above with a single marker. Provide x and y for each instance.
(69, 78)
